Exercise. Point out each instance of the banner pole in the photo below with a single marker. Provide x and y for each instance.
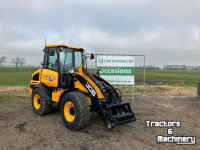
(144, 78)
(95, 63)
(133, 95)
(133, 90)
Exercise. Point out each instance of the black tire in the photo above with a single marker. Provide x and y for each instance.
(44, 107)
(81, 110)
(119, 93)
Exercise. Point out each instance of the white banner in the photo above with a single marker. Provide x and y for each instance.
(117, 69)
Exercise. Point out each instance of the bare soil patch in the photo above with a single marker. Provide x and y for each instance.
(155, 90)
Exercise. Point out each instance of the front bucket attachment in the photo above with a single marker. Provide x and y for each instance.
(120, 114)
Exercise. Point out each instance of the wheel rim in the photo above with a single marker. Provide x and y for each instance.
(69, 111)
(37, 101)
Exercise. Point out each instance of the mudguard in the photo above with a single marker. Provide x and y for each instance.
(46, 91)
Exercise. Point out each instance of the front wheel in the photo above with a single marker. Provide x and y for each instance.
(39, 105)
(75, 110)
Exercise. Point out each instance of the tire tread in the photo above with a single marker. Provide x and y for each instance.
(84, 110)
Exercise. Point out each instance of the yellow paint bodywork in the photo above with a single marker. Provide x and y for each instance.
(56, 45)
(49, 73)
(68, 115)
(37, 101)
(56, 95)
(30, 91)
(33, 82)
(81, 87)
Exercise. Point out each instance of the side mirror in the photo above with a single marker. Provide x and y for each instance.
(42, 63)
(92, 56)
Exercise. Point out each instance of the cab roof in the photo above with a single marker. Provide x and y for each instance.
(63, 45)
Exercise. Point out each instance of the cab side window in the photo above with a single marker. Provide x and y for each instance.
(68, 61)
(78, 59)
(52, 60)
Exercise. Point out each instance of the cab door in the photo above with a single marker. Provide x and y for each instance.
(50, 69)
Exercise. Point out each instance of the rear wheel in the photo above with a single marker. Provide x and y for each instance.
(39, 105)
(75, 110)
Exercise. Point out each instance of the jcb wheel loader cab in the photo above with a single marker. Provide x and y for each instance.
(64, 79)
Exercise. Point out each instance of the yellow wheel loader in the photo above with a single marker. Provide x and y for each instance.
(64, 79)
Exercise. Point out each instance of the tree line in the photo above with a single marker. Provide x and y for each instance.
(169, 67)
(181, 67)
(17, 61)
(149, 67)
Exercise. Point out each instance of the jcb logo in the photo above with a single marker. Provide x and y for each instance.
(50, 78)
(90, 88)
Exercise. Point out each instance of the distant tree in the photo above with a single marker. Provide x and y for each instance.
(2, 60)
(140, 67)
(22, 61)
(152, 67)
(15, 61)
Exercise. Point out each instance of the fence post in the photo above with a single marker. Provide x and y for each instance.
(95, 63)
(144, 71)
(133, 95)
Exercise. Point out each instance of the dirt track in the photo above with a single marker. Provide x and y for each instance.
(20, 128)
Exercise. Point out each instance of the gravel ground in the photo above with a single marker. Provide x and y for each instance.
(21, 129)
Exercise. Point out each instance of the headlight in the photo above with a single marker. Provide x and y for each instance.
(70, 71)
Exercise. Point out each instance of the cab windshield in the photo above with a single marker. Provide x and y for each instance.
(70, 59)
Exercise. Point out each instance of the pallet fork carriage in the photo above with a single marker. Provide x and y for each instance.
(64, 79)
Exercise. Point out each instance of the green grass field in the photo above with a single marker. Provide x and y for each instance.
(172, 78)
(22, 76)
(16, 76)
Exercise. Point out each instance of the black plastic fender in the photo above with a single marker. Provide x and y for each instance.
(46, 91)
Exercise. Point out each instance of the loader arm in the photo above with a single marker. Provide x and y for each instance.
(105, 100)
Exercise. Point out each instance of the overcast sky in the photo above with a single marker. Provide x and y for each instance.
(167, 32)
